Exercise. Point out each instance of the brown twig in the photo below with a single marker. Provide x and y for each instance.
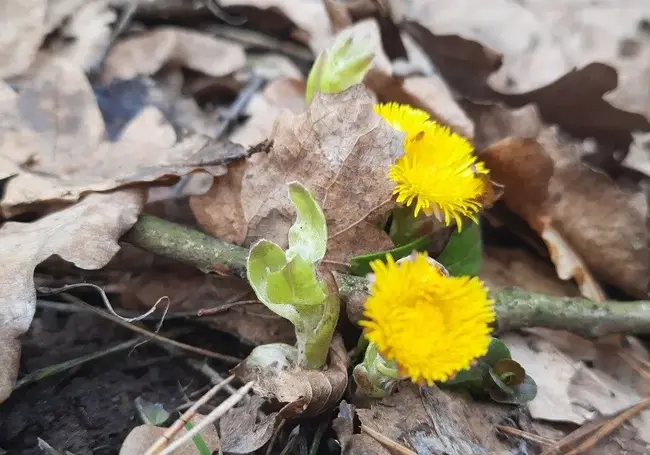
(386, 441)
(526, 435)
(516, 308)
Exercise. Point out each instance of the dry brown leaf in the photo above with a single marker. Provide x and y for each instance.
(350, 442)
(526, 170)
(62, 152)
(86, 35)
(242, 431)
(567, 389)
(503, 268)
(431, 420)
(341, 150)
(148, 52)
(302, 392)
(280, 94)
(144, 436)
(23, 29)
(564, 95)
(542, 41)
(307, 19)
(85, 234)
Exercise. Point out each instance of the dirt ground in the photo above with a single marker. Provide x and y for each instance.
(89, 410)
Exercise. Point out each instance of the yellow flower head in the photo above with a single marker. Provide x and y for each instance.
(439, 172)
(431, 324)
(404, 118)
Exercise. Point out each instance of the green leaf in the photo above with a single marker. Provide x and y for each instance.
(198, 441)
(360, 265)
(521, 395)
(496, 351)
(151, 413)
(509, 371)
(472, 379)
(462, 256)
(295, 284)
(344, 64)
(308, 235)
(264, 259)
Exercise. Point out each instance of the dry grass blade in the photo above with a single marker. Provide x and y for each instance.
(213, 416)
(182, 420)
(393, 446)
(153, 336)
(610, 426)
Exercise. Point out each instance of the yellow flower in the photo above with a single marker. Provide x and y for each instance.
(404, 118)
(439, 172)
(431, 324)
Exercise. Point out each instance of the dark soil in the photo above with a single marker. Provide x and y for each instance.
(90, 409)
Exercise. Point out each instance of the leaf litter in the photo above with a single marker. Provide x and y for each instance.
(504, 91)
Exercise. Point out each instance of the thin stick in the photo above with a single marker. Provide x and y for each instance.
(107, 302)
(212, 417)
(610, 426)
(187, 415)
(153, 336)
(275, 436)
(64, 366)
(526, 435)
(225, 307)
(386, 441)
(515, 308)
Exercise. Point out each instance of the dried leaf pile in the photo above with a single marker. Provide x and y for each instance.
(114, 112)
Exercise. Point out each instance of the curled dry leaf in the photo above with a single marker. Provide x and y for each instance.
(58, 142)
(148, 52)
(564, 201)
(144, 436)
(85, 234)
(302, 392)
(525, 169)
(242, 431)
(23, 29)
(431, 420)
(339, 149)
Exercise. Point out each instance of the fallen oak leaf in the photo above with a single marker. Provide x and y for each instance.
(85, 234)
(339, 149)
(300, 391)
(68, 156)
(573, 99)
(147, 53)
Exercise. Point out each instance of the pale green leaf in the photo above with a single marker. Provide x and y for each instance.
(308, 235)
(295, 284)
